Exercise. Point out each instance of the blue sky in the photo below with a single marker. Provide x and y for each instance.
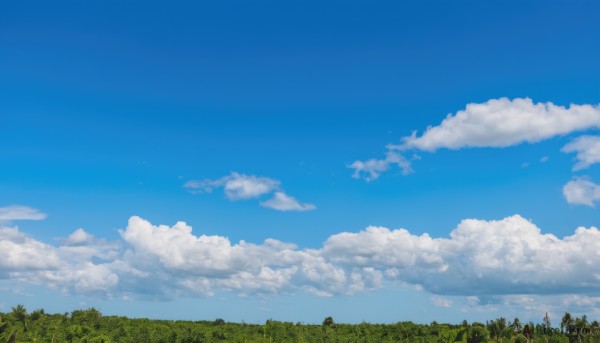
(292, 122)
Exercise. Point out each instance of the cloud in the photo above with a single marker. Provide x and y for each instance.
(581, 191)
(16, 212)
(236, 186)
(438, 301)
(510, 256)
(18, 251)
(243, 187)
(503, 122)
(372, 169)
(185, 261)
(587, 149)
(581, 303)
(284, 202)
(496, 123)
(483, 259)
(78, 237)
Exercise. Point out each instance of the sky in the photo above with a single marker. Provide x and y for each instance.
(375, 161)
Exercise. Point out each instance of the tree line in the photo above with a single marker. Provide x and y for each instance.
(90, 326)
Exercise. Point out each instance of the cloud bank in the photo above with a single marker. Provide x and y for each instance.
(479, 258)
(244, 187)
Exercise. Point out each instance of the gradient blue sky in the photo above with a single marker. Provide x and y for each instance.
(108, 109)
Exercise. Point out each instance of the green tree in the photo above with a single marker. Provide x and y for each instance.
(19, 313)
(37, 314)
(566, 322)
(547, 325)
(328, 321)
(477, 334)
(516, 325)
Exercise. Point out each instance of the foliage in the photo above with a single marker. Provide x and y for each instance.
(90, 326)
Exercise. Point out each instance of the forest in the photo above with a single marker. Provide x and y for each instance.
(90, 325)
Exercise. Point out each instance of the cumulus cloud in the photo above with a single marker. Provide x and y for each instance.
(510, 256)
(581, 191)
(80, 264)
(587, 149)
(482, 259)
(16, 212)
(284, 202)
(496, 123)
(183, 260)
(504, 122)
(18, 251)
(243, 187)
(78, 237)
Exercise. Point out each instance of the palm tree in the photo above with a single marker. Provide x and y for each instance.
(594, 326)
(20, 313)
(547, 325)
(566, 322)
(581, 324)
(516, 325)
(497, 328)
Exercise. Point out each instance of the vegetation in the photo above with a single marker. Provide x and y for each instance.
(91, 326)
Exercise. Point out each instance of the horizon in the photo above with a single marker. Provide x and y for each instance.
(378, 162)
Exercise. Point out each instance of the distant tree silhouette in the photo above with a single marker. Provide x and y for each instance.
(328, 321)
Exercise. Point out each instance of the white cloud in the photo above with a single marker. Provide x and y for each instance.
(496, 123)
(204, 186)
(439, 301)
(183, 259)
(504, 122)
(78, 237)
(587, 149)
(581, 191)
(482, 259)
(236, 186)
(68, 267)
(16, 212)
(373, 168)
(19, 251)
(284, 202)
(243, 187)
(510, 256)
(580, 303)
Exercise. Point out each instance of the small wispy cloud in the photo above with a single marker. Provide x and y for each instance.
(238, 186)
(587, 149)
(373, 168)
(439, 301)
(18, 212)
(283, 202)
